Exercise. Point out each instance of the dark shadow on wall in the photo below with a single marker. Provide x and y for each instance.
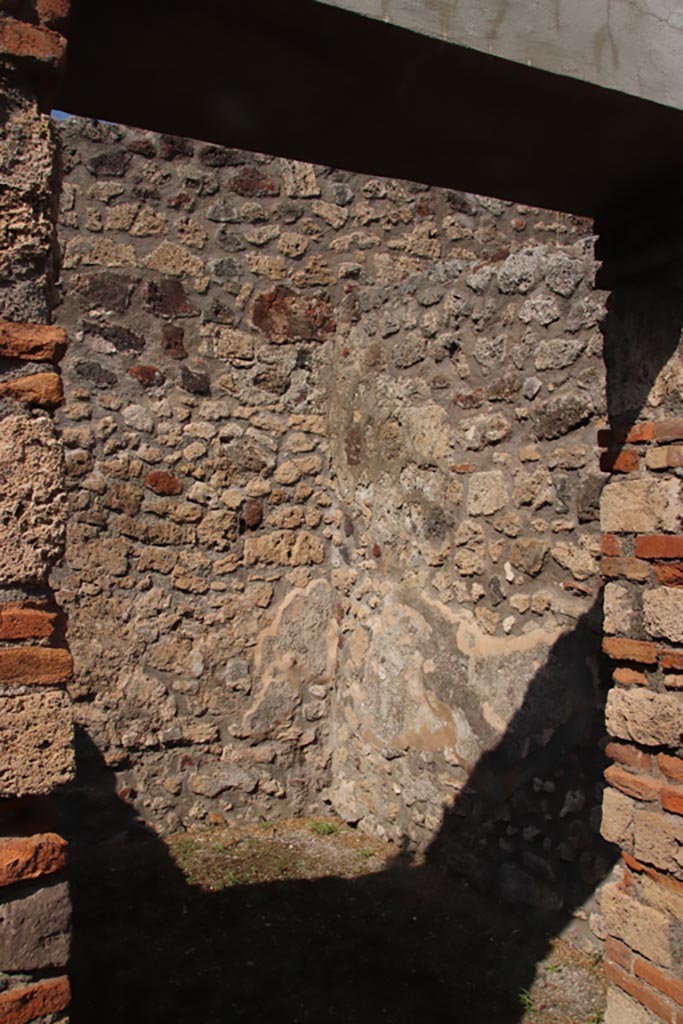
(526, 823)
(641, 333)
(408, 943)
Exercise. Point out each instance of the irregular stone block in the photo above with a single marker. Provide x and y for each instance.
(284, 547)
(487, 493)
(285, 316)
(528, 554)
(36, 737)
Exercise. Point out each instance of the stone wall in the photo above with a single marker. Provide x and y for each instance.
(333, 532)
(36, 734)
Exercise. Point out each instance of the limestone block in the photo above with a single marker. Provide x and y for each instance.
(640, 506)
(34, 929)
(36, 738)
(621, 1009)
(651, 719)
(663, 609)
(621, 608)
(658, 840)
(617, 819)
(644, 929)
(32, 499)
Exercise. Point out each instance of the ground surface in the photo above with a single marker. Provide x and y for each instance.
(305, 921)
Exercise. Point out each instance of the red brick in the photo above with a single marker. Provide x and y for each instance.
(673, 682)
(23, 1005)
(639, 787)
(611, 545)
(640, 992)
(28, 42)
(35, 665)
(162, 482)
(670, 766)
(669, 430)
(625, 753)
(639, 433)
(35, 342)
(621, 649)
(672, 799)
(636, 434)
(618, 953)
(30, 857)
(43, 390)
(625, 461)
(629, 677)
(672, 660)
(27, 620)
(659, 546)
(631, 568)
(654, 976)
(463, 467)
(669, 574)
(53, 13)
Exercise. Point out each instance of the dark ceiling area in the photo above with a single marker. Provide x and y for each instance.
(304, 80)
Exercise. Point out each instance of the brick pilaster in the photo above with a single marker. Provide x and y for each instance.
(36, 732)
(642, 565)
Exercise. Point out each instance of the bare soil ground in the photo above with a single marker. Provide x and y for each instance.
(306, 921)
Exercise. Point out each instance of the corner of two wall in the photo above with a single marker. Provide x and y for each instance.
(333, 527)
